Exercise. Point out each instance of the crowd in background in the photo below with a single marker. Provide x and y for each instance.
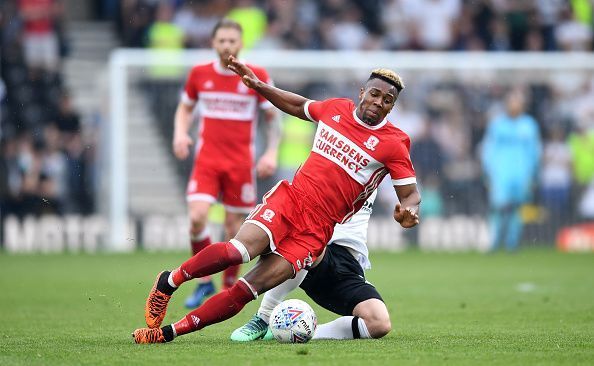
(49, 163)
(46, 161)
(487, 25)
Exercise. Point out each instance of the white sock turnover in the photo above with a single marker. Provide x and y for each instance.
(342, 328)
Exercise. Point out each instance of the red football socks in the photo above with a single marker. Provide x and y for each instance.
(212, 259)
(218, 308)
(198, 245)
(230, 276)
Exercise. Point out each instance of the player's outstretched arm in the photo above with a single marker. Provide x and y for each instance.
(287, 102)
(407, 211)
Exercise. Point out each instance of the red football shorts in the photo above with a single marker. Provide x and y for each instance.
(235, 186)
(296, 231)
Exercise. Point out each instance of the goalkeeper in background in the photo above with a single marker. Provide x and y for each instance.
(510, 156)
(337, 284)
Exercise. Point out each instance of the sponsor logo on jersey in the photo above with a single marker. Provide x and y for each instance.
(371, 143)
(336, 118)
(268, 215)
(225, 105)
(337, 148)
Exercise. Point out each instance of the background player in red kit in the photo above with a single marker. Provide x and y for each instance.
(354, 149)
(223, 165)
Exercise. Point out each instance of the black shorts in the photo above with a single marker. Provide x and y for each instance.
(338, 283)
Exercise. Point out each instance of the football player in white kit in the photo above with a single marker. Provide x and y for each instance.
(337, 283)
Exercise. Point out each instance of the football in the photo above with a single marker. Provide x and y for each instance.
(293, 321)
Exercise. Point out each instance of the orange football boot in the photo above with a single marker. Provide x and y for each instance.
(148, 335)
(156, 304)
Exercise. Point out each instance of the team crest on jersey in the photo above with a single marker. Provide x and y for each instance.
(268, 215)
(247, 193)
(242, 88)
(371, 143)
(208, 84)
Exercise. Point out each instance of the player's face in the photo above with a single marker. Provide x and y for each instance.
(227, 42)
(376, 100)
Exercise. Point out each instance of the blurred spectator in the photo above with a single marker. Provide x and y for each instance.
(40, 39)
(433, 22)
(555, 177)
(197, 19)
(511, 140)
(253, 20)
(571, 34)
(163, 35)
(426, 154)
(66, 118)
(347, 31)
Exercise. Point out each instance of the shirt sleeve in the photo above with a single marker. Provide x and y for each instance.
(314, 109)
(189, 96)
(400, 166)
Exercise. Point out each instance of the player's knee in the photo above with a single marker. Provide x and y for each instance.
(379, 327)
(198, 220)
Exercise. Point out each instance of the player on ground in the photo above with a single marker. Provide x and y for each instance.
(223, 165)
(338, 284)
(354, 149)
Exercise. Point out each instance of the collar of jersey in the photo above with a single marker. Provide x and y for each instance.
(220, 70)
(378, 126)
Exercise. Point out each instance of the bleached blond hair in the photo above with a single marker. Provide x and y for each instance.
(388, 76)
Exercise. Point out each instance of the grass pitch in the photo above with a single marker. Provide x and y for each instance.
(534, 307)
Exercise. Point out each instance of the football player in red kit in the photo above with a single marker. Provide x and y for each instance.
(354, 148)
(224, 159)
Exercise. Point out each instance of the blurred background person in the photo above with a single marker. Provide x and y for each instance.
(510, 156)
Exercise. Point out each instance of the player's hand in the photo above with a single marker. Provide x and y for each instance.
(247, 75)
(406, 217)
(181, 146)
(266, 166)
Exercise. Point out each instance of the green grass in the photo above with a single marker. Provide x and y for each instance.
(534, 307)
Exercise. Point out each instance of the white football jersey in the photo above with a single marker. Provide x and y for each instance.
(353, 234)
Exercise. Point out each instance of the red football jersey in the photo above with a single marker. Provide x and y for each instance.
(228, 112)
(349, 159)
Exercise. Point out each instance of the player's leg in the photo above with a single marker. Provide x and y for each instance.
(202, 190)
(375, 316)
(497, 217)
(338, 284)
(233, 221)
(521, 194)
(250, 242)
(239, 198)
(270, 271)
(257, 326)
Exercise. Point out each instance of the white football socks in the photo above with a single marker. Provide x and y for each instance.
(276, 295)
(342, 328)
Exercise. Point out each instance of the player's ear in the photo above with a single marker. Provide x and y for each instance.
(361, 93)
